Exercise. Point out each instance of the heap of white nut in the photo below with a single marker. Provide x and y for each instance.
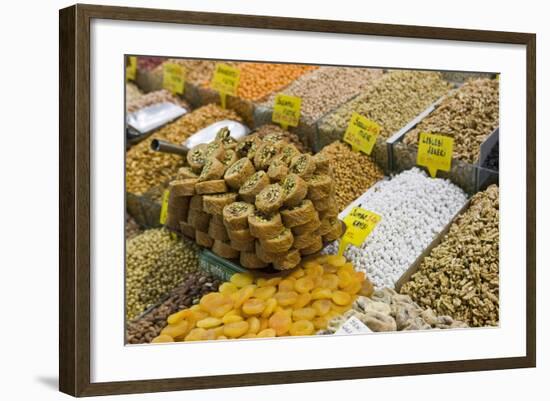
(414, 209)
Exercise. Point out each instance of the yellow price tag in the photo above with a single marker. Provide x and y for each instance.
(164, 207)
(286, 110)
(361, 133)
(131, 68)
(226, 81)
(173, 77)
(435, 152)
(359, 225)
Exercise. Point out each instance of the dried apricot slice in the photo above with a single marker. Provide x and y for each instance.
(265, 292)
(209, 323)
(266, 333)
(270, 306)
(341, 298)
(176, 330)
(304, 284)
(280, 322)
(304, 314)
(321, 293)
(196, 335)
(236, 329)
(228, 288)
(241, 279)
(322, 306)
(301, 328)
(302, 300)
(286, 298)
(253, 325)
(253, 306)
(243, 295)
(178, 316)
(162, 338)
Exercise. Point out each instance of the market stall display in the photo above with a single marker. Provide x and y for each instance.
(296, 305)
(155, 264)
(414, 208)
(460, 277)
(147, 326)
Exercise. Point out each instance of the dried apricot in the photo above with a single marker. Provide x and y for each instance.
(315, 270)
(280, 322)
(286, 298)
(339, 309)
(176, 330)
(270, 306)
(330, 281)
(162, 338)
(320, 323)
(301, 328)
(253, 306)
(302, 300)
(227, 288)
(321, 293)
(266, 333)
(249, 335)
(298, 273)
(236, 329)
(243, 295)
(264, 323)
(273, 281)
(253, 324)
(265, 292)
(209, 323)
(341, 298)
(196, 335)
(241, 279)
(178, 316)
(367, 289)
(221, 338)
(304, 314)
(286, 285)
(336, 260)
(345, 278)
(347, 267)
(231, 318)
(322, 306)
(353, 288)
(261, 282)
(304, 284)
(209, 335)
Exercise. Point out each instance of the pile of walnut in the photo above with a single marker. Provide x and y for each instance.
(460, 276)
(258, 200)
(386, 310)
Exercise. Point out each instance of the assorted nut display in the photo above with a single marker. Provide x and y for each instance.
(258, 200)
(273, 202)
(414, 209)
(469, 115)
(460, 277)
(146, 168)
(155, 263)
(353, 172)
(391, 101)
(296, 305)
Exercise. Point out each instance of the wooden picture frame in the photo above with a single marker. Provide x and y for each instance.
(75, 208)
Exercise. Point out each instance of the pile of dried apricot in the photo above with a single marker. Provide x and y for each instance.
(296, 305)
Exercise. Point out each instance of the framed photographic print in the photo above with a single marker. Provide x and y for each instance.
(297, 200)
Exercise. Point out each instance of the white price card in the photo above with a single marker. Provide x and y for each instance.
(353, 326)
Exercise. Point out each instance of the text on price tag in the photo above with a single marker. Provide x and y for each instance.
(359, 224)
(353, 326)
(131, 68)
(164, 207)
(361, 133)
(173, 78)
(286, 110)
(435, 152)
(226, 79)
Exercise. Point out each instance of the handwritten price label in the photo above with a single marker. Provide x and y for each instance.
(435, 152)
(286, 110)
(361, 133)
(173, 78)
(226, 81)
(131, 68)
(359, 224)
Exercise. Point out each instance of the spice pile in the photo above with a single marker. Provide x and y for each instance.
(297, 305)
(460, 276)
(414, 209)
(391, 101)
(387, 310)
(148, 326)
(160, 96)
(257, 200)
(323, 90)
(146, 168)
(155, 264)
(469, 115)
(353, 172)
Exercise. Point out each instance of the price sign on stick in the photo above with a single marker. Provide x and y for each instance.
(435, 152)
(173, 78)
(361, 133)
(225, 81)
(359, 224)
(164, 207)
(286, 110)
(131, 68)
